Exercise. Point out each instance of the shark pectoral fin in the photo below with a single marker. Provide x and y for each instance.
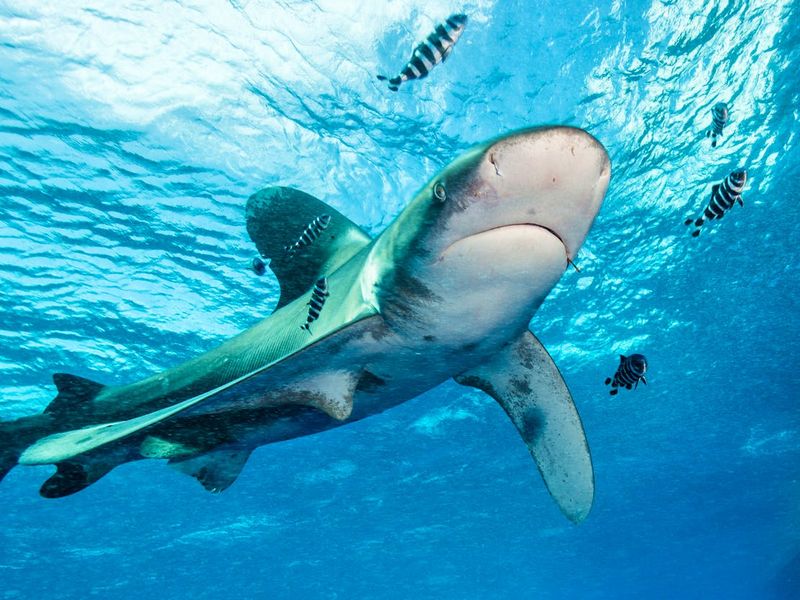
(216, 470)
(277, 218)
(525, 381)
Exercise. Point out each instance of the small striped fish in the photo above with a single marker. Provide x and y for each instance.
(318, 296)
(719, 117)
(723, 196)
(309, 235)
(630, 372)
(434, 50)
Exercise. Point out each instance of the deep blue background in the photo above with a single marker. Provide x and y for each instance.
(129, 142)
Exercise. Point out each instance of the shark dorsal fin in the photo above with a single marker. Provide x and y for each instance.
(277, 217)
(73, 392)
(215, 470)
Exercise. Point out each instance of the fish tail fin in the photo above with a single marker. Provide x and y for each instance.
(608, 380)
(382, 78)
(708, 133)
(73, 400)
(16, 436)
(395, 81)
(73, 476)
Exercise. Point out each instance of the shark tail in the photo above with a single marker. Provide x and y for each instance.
(71, 405)
(16, 436)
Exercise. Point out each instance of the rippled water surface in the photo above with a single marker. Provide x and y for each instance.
(130, 139)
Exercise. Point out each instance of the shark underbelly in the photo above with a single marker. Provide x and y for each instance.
(391, 369)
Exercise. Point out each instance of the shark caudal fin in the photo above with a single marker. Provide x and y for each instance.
(17, 435)
(71, 406)
(8, 452)
(73, 476)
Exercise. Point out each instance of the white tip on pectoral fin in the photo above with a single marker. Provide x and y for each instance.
(527, 384)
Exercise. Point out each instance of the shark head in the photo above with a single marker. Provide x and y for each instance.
(501, 222)
(551, 178)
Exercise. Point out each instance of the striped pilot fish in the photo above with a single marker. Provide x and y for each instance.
(719, 117)
(630, 372)
(723, 196)
(318, 296)
(309, 235)
(434, 50)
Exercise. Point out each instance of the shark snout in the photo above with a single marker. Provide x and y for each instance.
(552, 177)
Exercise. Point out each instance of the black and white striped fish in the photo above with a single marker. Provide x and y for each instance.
(434, 50)
(723, 196)
(318, 296)
(719, 117)
(630, 372)
(309, 235)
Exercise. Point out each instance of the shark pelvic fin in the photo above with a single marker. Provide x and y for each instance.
(277, 219)
(330, 392)
(215, 470)
(525, 381)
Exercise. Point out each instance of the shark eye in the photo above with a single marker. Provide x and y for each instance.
(440, 192)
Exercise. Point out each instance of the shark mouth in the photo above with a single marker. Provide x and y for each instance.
(538, 226)
(498, 228)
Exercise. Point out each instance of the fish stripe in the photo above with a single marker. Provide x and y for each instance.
(443, 34)
(436, 43)
(428, 54)
(418, 64)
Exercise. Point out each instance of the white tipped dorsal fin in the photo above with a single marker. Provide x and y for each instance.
(527, 384)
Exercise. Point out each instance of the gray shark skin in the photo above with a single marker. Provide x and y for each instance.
(446, 291)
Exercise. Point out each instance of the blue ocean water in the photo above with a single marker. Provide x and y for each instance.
(130, 139)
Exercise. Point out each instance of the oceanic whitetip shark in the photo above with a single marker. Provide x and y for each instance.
(446, 291)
